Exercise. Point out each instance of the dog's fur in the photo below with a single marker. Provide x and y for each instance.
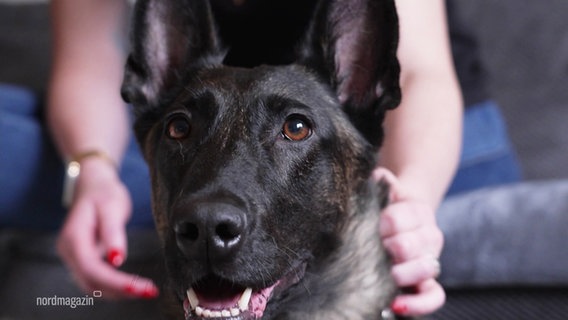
(303, 214)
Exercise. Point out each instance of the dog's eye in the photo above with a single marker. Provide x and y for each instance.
(178, 127)
(296, 128)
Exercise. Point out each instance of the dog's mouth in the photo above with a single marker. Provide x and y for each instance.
(216, 298)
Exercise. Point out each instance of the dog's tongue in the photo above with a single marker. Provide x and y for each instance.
(218, 300)
(259, 300)
(227, 301)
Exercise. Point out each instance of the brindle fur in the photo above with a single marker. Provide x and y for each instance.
(309, 201)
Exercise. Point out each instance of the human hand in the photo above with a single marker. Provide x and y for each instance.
(410, 234)
(95, 230)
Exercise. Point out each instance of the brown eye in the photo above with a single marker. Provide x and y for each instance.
(296, 128)
(178, 127)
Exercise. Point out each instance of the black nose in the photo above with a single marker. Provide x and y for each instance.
(212, 231)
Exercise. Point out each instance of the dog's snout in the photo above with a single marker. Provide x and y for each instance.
(211, 231)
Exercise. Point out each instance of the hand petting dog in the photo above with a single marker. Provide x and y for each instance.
(410, 234)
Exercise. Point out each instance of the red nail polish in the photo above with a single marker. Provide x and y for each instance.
(115, 257)
(399, 307)
(149, 293)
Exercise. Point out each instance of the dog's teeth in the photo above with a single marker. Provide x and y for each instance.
(244, 300)
(242, 305)
(192, 297)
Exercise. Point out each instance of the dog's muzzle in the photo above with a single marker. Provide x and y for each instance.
(211, 232)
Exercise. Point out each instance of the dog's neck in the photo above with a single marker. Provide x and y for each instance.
(361, 274)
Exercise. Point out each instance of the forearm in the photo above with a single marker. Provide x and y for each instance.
(81, 121)
(85, 110)
(428, 125)
(423, 134)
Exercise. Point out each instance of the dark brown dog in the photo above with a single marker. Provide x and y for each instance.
(261, 175)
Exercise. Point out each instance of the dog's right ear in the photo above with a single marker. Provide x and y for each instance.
(168, 38)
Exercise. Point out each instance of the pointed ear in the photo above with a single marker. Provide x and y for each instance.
(352, 44)
(168, 37)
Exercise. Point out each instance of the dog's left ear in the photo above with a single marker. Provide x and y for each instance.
(168, 38)
(352, 44)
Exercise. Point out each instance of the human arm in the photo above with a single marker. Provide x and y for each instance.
(85, 113)
(422, 149)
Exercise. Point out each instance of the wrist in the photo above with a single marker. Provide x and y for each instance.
(84, 163)
(415, 188)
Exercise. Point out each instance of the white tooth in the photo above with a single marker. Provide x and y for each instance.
(192, 297)
(207, 313)
(235, 312)
(225, 313)
(244, 300)
(199, 311)
(216, 314)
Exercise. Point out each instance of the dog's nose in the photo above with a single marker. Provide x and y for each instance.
(211, 231)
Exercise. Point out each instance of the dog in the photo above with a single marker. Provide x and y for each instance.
(261, 175)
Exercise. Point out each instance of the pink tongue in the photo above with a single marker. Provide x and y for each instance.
(218, 302)
(259, 300)
(258, 304)
(225, 301)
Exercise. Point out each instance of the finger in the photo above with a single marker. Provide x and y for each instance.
(73, 236)
(77, 245)
(395, 188)
(94, 273)
(425, 241)
(112, 228)
(396, 218)
(416, 271)
(429, 297)
(405, 216)
(115, 284)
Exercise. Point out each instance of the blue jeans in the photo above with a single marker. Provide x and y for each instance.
(487, 157)
(32, 173)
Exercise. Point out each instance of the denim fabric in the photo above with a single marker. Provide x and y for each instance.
(487, 157)
(31, 172)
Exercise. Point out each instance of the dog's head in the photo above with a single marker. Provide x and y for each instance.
(254, 170)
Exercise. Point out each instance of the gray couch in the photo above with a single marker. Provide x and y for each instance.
(527, 51)
(505, 255)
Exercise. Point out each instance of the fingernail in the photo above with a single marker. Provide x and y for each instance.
(115, 257)
(149, 293)
(399, 307)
